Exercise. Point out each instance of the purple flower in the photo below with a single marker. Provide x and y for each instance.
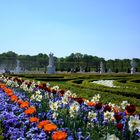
(70, 138)
(138, 134)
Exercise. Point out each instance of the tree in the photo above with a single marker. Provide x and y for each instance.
(72, 62)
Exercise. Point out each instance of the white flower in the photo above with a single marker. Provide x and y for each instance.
(134, 123)
(74, 108)
(51, 95)
(38, 82)
(86, 101)
(38, 98)
(111, 104)
(54, 115)
(32, 85)
(32, 97)
(55, 87)
(65, 100)
(90, 125)
(12, 83)
(108, 115)
(69, 93)
(54, 105)
(5, 79)
(96, 98)
(8, 83)
(74, 95)
(112, 137)
(38, 92)
(48, 84)
(91, 115)
(24, 86)
(46, 95)
(30, 89)
(16, 84)
(124, 104)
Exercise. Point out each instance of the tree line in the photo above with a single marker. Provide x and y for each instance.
(74, 62)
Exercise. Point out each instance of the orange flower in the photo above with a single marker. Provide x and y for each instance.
(14, 98)
(43, 123)
(10, 94)
(59, 135)
(19, 101)
(91, 103)
(24, 104)
(115, 109)
(34, 119)
(50, 127)
(2, 86)
(8, 91)
(30, 110)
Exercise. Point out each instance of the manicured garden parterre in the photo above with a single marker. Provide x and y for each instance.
(128, 85)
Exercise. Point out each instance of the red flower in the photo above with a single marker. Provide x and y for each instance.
(118, 117)
(42, 86)
(62, 91)
(130, 109)
(107, 108)
(54, 91)
(36, 86)
(98, 106)
(79, 100)
(48, 89)
(119, 126)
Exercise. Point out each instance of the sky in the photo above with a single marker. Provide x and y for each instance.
(103, 28)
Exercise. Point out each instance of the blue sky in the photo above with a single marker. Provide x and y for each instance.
(104, 28)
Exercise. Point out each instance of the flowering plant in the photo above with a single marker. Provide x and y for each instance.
(61, 115)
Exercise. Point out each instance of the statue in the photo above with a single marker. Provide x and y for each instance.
(101, 68)
(109, 71)
(18, 68)
(133, 66)
(51, 66)
(51, 60)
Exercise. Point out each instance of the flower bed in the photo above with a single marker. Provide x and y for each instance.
(32, 110)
